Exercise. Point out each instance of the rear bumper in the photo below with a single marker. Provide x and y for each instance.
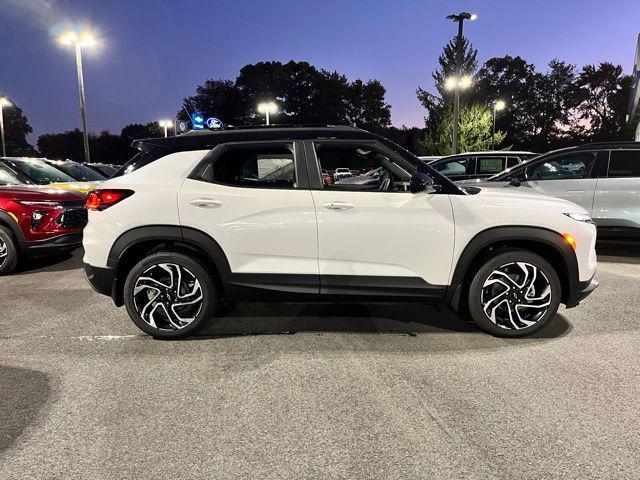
(100, 279)
(582, 290)
(60, 243)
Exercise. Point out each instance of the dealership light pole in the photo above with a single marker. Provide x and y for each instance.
(80, 40)
(3, 103)
(166, 124)
(499, 105)
(460, 18)
(456, 84)
(267, 108)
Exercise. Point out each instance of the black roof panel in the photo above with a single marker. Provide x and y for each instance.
(204, 139)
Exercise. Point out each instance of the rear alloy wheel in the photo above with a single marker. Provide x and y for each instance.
(514, 294)
(169, 295)
(8, 251)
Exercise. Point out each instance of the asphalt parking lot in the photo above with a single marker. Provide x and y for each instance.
(315, 391)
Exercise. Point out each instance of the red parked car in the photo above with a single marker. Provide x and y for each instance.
(37, 220)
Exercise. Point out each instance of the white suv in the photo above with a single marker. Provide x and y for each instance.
(244, 215)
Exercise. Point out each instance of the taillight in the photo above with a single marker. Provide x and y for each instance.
(103, 199)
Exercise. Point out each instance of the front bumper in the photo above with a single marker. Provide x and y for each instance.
(60, 243)
(581, 292)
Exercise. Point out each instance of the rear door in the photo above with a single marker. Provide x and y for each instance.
(253, 199)
(617, 198)
(567, 175)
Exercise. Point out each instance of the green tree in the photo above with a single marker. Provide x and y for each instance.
(16, 129)
(136, 131)
(474, 134)
(103, 148)
(304, 94)
(539, 105)
(603, 100)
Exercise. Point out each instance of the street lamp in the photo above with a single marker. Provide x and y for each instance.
(165, 124)
(80, 40)
(460, 18)
(499, 105)
(3, 103)
(267, 108)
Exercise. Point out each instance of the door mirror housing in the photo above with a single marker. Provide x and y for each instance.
(515, 182)
(422, 182)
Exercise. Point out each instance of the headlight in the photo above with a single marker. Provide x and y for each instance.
(580, 217)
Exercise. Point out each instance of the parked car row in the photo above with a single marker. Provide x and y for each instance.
(42, 206)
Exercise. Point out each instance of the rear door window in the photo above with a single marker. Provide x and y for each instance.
(624, 163)
(490, 165)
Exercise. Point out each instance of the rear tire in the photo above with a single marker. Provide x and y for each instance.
(514, 294)
(8, 251)
(169, 295)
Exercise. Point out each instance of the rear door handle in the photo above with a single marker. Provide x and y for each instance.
(338, 206)
(205, 203)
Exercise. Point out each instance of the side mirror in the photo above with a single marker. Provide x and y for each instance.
(515, 182)
(421, 182)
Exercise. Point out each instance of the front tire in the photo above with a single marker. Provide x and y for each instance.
(169, 295)
(8, 251)
(514, 294)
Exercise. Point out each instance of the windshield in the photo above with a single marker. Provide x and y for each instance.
(40, 172)
(8, 178)
(79, 172)
(107, 170)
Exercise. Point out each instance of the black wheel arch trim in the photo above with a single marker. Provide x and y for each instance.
(495, 235)
(169, 233)
(8, 221)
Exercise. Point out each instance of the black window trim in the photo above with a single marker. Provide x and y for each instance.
(300, 169)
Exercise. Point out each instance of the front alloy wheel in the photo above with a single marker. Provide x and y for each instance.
(514, 294)
(169, 295)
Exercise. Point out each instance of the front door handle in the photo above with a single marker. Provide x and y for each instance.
(205, 203)
(338, 206)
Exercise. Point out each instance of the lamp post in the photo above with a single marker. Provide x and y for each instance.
(499, 105)
(460, 18)
(79, 41)
(3, 103)
(457, 84)
(166, 124)
(267, 108)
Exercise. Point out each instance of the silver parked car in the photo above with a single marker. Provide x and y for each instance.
(604, 178)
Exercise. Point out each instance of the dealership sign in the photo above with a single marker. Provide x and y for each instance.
(214, 123)
(197, 120)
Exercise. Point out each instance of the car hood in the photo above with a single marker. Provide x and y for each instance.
(83, 187)
(513, 197)
(40, 193)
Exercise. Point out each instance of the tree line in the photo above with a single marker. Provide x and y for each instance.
(560, 106)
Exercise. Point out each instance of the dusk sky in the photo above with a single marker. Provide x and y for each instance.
(152, 53)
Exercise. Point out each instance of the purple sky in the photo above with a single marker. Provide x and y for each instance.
(153, 52)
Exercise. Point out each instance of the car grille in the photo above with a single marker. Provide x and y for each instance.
(73, 218)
